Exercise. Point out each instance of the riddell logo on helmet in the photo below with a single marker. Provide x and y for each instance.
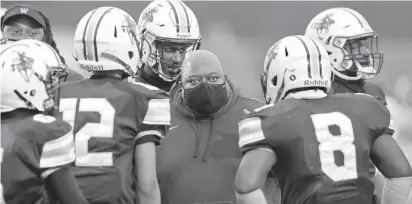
(184, 35)
(92, 67)
(315, 82)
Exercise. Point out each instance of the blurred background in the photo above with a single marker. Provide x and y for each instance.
(241, 32)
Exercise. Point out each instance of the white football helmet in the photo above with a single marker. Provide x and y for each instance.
(295, 63)
(106, 39)
(167, 21)
(2, 39)
(350, 41)
(27, 77)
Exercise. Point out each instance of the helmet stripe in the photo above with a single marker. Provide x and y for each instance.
(308, 56)
(187, 16)
(55, 54)
(319, 59)
(96, 57)
(354, 15)
(176, 16)
(84, 35)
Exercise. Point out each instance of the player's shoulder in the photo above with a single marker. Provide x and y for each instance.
(280, 107)
(251, 99)
(365, 104)
(357, 98)
(72, 83)
(142, 85)
(374, 90)
(250, 102)
(48, 127)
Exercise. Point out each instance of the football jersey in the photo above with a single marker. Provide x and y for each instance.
(322, 146)
(343, 86)
(155, 81)
(109, 118)
(33, 148)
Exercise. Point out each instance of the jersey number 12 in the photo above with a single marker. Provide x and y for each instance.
(329, 143)
(103, 129)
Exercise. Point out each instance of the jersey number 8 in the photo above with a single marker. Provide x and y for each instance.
(104, 129)
(329, 143)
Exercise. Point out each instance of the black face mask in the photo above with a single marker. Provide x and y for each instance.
(206, 98)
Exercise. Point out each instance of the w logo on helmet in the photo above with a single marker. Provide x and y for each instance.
(23, 64)
(24, 10)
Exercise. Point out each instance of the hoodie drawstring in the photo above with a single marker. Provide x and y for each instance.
(197, 142)
(208, 141)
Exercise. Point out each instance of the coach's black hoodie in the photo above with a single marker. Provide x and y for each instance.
(199, 157)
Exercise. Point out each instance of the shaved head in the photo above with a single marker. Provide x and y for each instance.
(201, 66)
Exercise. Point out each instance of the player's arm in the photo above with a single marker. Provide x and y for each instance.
(55, 160)
(152, 129)
(50, 151)
(63, 186)
(393, 164)
(257, 161)
(147, 186)
(388, 157)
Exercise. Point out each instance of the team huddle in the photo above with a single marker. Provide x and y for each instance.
(323, 132)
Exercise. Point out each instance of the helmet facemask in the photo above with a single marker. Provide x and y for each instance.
(60, 72)
(51, 83)
(166, 55)
(361, 56)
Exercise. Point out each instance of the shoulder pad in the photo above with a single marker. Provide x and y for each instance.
(251, 98)
(261, 111)
(57, 142)
(147, 86)
(148, 90)
(364, 94)
(54, 127)
(370, 97)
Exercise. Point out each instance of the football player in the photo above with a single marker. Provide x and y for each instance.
(26, 22)
(168, 31)
(352, 46)
(353, 49)
(37, 149)
(116, 124)
(318, 145)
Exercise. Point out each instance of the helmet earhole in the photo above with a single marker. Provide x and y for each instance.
(131, 54)
(275, 80)
(286, 52)
(115, 31)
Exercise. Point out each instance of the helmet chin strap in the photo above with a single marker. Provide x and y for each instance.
(345, 77)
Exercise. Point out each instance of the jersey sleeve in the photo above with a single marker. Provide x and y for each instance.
(252, 134)
(49, 146)
(153, 117)
(380, 121)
